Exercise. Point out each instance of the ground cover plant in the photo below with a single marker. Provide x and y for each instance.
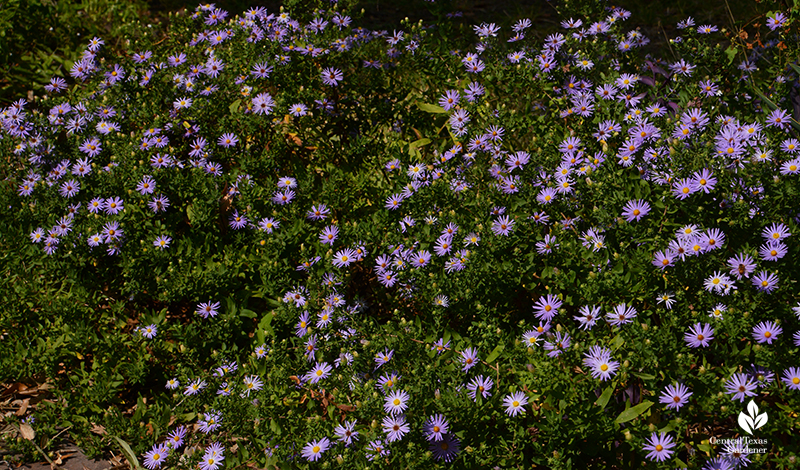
(279, 240)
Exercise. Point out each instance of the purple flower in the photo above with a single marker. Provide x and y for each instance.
(70, 188)
(328, 235)
(480, 385)
(395, 427)
(699, 335)
(766, 332)
(156, 456)
(503, 226)
(765, 281)
(314, 449)
(446, 449)
(228, 140)
(384, 357)
(91, 147)
(659, 447)
(635, 210)
(162, 241)
(421, 259)
(238, 221)
(599, 360)
(675, 396)
(469, 357)
(791, 377)
(331, 76)
(207, 309)
(298, 110)
(778, 118)
(449, 100)
(263, 103)
(622, 314)
(346, 432)
(515, 403)
(557, 345)
(741, 385)
(742, 265)
(547, 307)
(113, 205)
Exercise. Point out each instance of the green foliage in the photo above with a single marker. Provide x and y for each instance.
(246, 300)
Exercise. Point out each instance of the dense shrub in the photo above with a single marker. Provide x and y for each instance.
(243, 243)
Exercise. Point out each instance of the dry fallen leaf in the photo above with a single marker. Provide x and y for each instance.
(23, 407)
(27, 432)
(98, 429)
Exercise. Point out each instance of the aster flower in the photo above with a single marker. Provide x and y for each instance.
(321, 371)
(742, 265)
(298, 110)
(469, 357)
(558, 344)
(766, 332)
(344, 258)
(329, 234)
(741, 385)
(313, 450)
(149, 331)
(331, 76)
(502, 226)
(445, 449)
(395, 427)
(717, 311)
(547, 307)
(376, 449)
(384, 357)
(775, 232)
(791, 377)
(156, 456)
(635, 210)
(699, 335)
(113, 205)
(622, 314)
(675, 396)
(599, 360)
(228, 140)
(346, 432)
(207, 309)
(659, 447)
(435, 428)
(588, 316)
(667, 298)
(175, 438)
(162, 241)
(480, 385)
(765, 281)
(210, 422)
(173, 384)
(515, 403)
(195, 387)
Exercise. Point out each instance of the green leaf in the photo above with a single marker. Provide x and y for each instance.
(644, 376)
(633, 412)
(126, 449)
(431, 108)
(731, 52)
(248, 313)
(602, 401)
(235, 106)
(495, 353)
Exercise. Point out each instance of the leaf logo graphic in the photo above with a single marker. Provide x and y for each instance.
(752, 420)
